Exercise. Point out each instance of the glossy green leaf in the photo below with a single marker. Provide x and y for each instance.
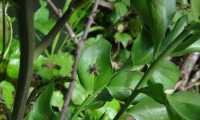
(167, 74)
(142, 49)
(156, 16)
(94, 67)
(178, 28)
(41, 18)
(12, 68)
(123, 38)
(8, 30)
(186, 104)
(155, 91)
(190, 45)
(123, 83)
(42, 107)
(7, 90)
(148, 109)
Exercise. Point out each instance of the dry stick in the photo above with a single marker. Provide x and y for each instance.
(78, 53)
(69, 29)
(187, 68)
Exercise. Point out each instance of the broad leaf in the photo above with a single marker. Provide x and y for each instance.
(195, 7)
(156, 16)
(42, 107)
(123, 83)
(94, 67)
(167, 74)
(186, 104)
(190, 45)
(148, 109)
(142, 49)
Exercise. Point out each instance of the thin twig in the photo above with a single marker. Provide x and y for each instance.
(78, 53)
(67, 26)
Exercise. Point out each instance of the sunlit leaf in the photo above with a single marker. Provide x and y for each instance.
(7, 90)
(94, 67)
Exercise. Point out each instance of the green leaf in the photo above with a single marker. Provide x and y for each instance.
(119, 11)
(79, 13)
(190, 45)
(94, 67)
(178, 28)
(12, 68)
(186, 104)
(8, 30)
(155, 91)
(167, 74)
(7, 90)
(148, 109)
(123, 83)
(123, 38)
(156, 16)
(42, 107)
(195, 6)
(41, 18)
(57, 99)
(142, 49)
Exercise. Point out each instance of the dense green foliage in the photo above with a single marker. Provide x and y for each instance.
(122, 72)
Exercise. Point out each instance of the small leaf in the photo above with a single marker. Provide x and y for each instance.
(57, 99)
(195, 6)
(186, 104)
(7, 93)
(148, 109)
(12, 68)
(94, 67)
(41, 18)
(123, 38)
(123, 83)
(167, 74)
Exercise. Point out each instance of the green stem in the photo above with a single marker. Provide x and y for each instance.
(86, 101)
(25, 15)
(151, 69)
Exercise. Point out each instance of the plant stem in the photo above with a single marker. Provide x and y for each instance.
(25, 15)
(77, 56)
(86, 101)
(151, 69)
